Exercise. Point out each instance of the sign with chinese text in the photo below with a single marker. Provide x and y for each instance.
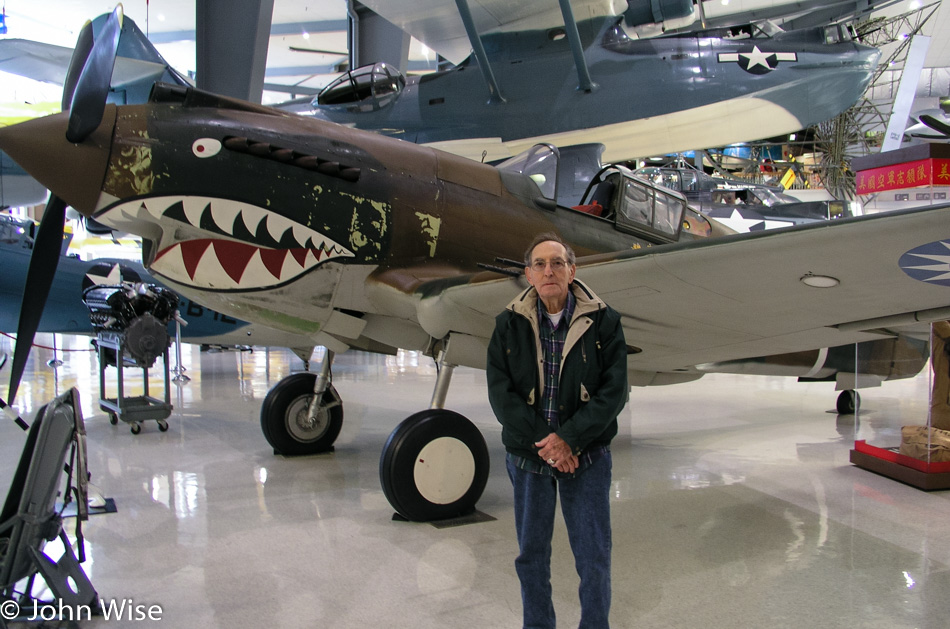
(924, 172)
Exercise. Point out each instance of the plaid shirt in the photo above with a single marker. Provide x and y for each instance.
(552, 344)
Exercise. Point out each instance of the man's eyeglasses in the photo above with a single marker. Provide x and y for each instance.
(557, 264)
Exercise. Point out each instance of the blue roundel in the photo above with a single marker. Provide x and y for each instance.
(928, 263)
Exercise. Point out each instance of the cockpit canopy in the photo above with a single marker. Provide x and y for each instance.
(540, 163)
(367, 88)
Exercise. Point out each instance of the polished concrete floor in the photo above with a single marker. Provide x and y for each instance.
(734, 505)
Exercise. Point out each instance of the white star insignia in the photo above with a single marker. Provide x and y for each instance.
(757, 58)
(113, 278)
(741, 224)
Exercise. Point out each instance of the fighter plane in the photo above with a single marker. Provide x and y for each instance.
(66, 314)
(637, 97)
(359, 240)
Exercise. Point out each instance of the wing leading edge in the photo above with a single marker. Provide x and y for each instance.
(743, 296)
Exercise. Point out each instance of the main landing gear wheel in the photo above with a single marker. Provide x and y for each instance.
(848, 402)
(285, 421)
(434, 466)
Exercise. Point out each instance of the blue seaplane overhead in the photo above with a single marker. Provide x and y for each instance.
(537, 74)
(637, 97)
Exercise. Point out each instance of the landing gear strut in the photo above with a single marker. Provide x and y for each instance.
(303, 413)
(435, 463)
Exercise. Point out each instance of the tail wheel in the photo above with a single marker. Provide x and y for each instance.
(434, 466)
(848, 402)
(285, 421)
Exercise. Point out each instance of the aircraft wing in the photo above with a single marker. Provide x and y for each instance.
(743, 296)
(35, 60)
(437, 23)
(48, 63)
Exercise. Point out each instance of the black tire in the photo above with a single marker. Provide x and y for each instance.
(848, 402)
(434, 466)
(284, 411)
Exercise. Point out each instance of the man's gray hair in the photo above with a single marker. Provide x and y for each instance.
(545, 237)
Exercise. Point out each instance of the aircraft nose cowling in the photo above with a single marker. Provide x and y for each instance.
(73, 172)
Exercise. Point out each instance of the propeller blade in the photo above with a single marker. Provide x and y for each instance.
(935, 124)
(39, 279)
(81, 52)
(92, 88)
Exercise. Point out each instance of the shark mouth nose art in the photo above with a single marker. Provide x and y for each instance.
(241, 247)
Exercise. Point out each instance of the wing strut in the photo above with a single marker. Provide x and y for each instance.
(466, 14)
(574, 38)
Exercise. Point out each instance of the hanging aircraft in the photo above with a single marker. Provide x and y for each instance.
(359, 240)
(541, 76)
(66, 314)
(637, 97)
(553, 79)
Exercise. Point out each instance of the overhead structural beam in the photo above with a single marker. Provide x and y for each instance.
(702, 13)
(466, 14)
(231, 46)
(906, 90)
(373, 39)
(574, 38)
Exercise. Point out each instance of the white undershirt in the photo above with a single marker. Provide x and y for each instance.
(555, 318)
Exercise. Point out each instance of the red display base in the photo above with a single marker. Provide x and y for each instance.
(914, 472)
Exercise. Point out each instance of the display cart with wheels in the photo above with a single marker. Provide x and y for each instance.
(131, 409)
(131, 322)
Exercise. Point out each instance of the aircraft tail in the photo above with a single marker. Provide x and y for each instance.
(138, 64)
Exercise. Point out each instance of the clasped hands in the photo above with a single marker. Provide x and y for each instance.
(557, 453)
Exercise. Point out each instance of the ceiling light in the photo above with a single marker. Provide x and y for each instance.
(819, 281)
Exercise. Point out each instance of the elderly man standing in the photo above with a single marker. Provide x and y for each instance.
(557, 379)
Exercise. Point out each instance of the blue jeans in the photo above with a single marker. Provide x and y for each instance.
(585, 503)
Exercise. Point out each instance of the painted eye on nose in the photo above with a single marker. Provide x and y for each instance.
(206, 147)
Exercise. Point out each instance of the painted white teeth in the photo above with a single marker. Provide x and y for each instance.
(303, 234)
(210, 271)
(252, 217)
(277, 225)
(194, 208)
(224, 217)
(156, 207)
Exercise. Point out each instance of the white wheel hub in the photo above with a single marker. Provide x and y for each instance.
(444, 470)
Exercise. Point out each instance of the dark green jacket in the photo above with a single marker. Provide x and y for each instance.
(592, 389)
